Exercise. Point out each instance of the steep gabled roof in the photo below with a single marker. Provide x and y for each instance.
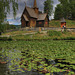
(31, 12)
(25, 17)
(42, 16)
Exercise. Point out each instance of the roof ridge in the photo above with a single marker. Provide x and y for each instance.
(31, 12)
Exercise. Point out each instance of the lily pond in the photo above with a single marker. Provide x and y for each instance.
(47, 57)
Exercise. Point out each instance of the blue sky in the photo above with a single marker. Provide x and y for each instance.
(21, 7)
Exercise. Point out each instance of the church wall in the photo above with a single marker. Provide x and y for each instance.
(23, 22)
(32, 22)
(46, 22)
(40, 24)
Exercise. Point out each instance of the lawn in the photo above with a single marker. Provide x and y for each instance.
(47, 35)
(43, 35)
(57, 23)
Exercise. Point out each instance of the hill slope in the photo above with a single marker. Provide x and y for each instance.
(56, 23)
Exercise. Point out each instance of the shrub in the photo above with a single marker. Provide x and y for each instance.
(6, 38)
(68, 38)
(54, 33)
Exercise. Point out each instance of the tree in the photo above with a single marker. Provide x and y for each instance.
(48, 7)
(72, 7)
(58, 12)
(5, 8)
(68, 7)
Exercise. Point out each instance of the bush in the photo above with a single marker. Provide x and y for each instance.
(68, 38)
(6, 39)
(54, 33)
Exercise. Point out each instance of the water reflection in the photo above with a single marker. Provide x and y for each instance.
(15, 54)
(4, 71)
(4, 67)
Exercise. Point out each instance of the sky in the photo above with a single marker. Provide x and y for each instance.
(21, 6)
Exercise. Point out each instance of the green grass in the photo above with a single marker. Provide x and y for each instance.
(58, 35)
(34, 52)
(54, 33)
(16, 32)
(56, 23)
(6, 38)
(49, 35)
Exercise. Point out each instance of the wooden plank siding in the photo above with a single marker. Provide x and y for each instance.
(46, 22)
(31, 17)
(40, 23)
(23, 22)
(32, 22)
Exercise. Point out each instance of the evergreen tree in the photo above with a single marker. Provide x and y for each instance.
(48, 7)
(72, 8)
(68, 7)
(58, 12)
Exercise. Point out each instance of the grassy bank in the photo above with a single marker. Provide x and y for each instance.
(16, 32)
(56, 23)
(48, 35)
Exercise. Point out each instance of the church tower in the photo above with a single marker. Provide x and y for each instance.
(35, 7)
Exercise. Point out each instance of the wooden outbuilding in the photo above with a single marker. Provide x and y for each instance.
(63, 23)
(32, 17)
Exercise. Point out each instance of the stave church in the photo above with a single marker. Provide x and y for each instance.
(32, 17)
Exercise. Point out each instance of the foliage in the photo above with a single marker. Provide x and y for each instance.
(68, 38)
(58, 12)
(48, 7)
(5, 27)
(2, 28)
(57, 23)
(5, 38)
(54, 33)
(68, 9)
(12, 27)
(5, 8)
(51, 56)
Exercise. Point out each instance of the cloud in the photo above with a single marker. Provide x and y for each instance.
(21, 6)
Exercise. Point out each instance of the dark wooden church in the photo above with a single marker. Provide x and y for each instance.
(32, 17)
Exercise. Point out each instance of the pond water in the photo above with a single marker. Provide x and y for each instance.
(5, 70)
(12, 54)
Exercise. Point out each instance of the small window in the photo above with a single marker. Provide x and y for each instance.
(46, 22)
(40, 22)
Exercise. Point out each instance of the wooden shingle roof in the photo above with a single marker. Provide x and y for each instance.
(25, 17)
(31, 12)
(42, 16)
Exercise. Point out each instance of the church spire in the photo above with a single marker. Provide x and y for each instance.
(35, 7)
(35, 4)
